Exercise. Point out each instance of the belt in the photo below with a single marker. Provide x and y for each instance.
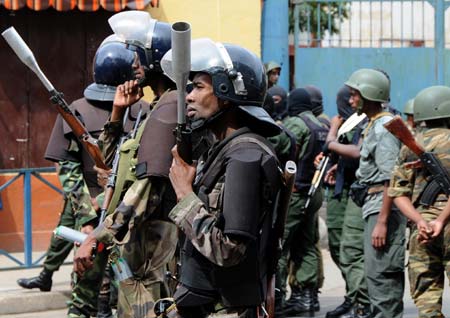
(375, 189)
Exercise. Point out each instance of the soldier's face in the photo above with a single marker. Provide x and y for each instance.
(202, 103)
(274, 75)
(355, 98)
(138, 69)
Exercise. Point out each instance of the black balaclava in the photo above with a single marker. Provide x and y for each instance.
(316, 99)
(343, 103)
(299, 101)
(280, 109)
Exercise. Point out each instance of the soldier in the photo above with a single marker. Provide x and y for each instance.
(273, 70)
(317, 102)
(112, 65)
(139, 224)
(344, 218)
(384, 226)
(226, 214)
(279, 96)
(301, 243)
(427, 262)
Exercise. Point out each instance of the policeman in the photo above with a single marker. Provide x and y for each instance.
(273, 70)
(427, 262)
(384, 226)
(310, 135)
(112, 66)
(226, 212)
(138, 222)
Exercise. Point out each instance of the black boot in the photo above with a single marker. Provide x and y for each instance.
(316, 300)
(104, 308)
(340, 310)
(304, 307)
(43, 281)
(296, 294)
(358, 311)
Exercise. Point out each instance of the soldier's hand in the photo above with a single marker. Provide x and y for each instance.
(83, 259)
(379, 235)
(426, 235)
(336, 122)
(317, 159)
(330, 175)
(127, 94)
(181, 175)
(102, 176)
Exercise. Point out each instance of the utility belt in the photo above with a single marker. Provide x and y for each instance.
(359, 192)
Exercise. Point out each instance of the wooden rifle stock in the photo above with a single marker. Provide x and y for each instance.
(282, 206)
(78, 129)
(398, 128)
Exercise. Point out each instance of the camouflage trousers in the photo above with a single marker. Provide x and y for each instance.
(427, 265)
(151, 246)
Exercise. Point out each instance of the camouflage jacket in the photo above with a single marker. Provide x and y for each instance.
(410, 182)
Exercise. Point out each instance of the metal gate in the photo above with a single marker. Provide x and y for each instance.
(406, 39)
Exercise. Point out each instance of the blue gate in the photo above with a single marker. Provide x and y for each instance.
(404, 38)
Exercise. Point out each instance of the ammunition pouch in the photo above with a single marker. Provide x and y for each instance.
(358, 193)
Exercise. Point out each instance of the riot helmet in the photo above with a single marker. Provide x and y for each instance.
(432, 103)
(141, 32)
(316, 99)
(299, 101)
(237, 76)
(373, 85)
(112, 66)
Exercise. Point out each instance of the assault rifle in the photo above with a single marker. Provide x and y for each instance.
(275, 249)
(347, 126)
(24, 53)
(181, 63)
(440, 178)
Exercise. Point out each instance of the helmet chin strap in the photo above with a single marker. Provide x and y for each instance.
(204, 123)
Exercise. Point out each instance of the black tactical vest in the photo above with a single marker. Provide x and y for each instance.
(305, 164)
(244, 284)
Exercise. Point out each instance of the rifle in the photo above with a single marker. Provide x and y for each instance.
(282, 205)
(24, 53)
(181, 63)
(439, 175)
(347, 126)
(111, 184)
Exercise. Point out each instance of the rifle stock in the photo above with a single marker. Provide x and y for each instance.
(24, 53)
(398, 128)
(283, 201)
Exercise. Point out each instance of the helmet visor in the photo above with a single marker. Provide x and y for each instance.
(205, 54)
(134, 27)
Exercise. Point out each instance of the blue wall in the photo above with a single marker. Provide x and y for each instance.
(410, 69)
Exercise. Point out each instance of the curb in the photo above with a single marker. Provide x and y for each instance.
(33, 301)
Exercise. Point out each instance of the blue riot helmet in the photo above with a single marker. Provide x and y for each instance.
(237, 75)
(112, 66)
(147, 36)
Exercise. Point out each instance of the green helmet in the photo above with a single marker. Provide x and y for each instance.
(373, 85)
(271, 66)
(432, 103)
(409, 107)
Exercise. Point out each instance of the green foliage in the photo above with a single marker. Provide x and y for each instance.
(331, 14)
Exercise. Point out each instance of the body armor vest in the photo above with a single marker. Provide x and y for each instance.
(244, 284)
(305, 164)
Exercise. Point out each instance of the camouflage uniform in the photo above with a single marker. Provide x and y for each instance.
(427, 262)
(301, 225)
(73, 171)
(139, 225)
(383, 268)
